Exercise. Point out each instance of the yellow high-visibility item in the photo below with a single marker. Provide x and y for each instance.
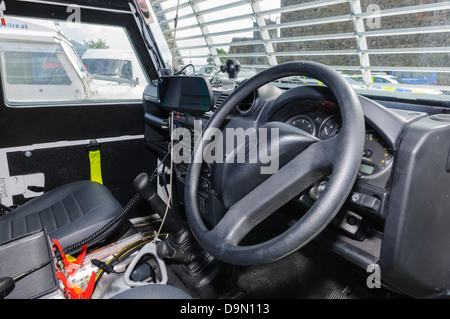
(95, 160)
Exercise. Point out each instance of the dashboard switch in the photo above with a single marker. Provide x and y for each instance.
(365, 201)
(356, 198)
(353, 226)
(370, 202)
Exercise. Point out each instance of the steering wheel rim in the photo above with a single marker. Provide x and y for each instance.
(341, 155)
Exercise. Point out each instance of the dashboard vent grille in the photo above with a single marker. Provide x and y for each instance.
(222, 97)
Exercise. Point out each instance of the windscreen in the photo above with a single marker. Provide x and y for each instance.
(392, 48)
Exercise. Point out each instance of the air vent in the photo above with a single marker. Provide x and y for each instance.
(242, 107)
(222, 97)
(246, 105)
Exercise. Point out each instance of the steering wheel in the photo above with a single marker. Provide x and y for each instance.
(341, 156)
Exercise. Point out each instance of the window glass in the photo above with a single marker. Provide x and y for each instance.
(379, 80)
(33, 68)
(46, 62)
(404, 43)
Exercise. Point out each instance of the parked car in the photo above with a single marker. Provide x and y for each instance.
(386, 79)
(417, 77)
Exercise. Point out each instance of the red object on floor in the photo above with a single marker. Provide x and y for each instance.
(72, 291)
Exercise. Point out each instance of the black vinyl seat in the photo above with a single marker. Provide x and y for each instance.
(69, 213)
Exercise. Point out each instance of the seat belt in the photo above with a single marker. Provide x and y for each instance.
(95, 161)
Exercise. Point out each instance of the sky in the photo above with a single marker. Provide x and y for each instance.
(115, 37)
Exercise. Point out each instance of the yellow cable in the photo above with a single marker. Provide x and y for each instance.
(118, 256)
(125, 249)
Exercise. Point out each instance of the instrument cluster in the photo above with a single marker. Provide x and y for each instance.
(321, 118)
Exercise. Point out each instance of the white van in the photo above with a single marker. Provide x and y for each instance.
(113, 63)
(41, 66)
(114, 72)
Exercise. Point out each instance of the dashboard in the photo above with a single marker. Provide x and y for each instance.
(399, 202)
(321, 119)
(311, 109)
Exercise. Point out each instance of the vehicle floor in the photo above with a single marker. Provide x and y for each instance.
(310, 273)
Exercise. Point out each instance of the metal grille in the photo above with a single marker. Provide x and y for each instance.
(353, 36)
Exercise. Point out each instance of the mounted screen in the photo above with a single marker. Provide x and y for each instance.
(185, 94)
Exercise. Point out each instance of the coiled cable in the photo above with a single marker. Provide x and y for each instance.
(106, 227)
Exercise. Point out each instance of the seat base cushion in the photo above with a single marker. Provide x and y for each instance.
(69, 213)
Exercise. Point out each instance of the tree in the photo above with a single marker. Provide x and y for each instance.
(99, 44)
(210, 60)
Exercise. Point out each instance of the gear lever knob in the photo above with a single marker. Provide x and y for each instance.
(143, 186)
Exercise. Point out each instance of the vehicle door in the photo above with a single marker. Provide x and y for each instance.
(58, 122)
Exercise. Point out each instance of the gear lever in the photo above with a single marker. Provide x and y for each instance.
(144, 187)
(181, 246)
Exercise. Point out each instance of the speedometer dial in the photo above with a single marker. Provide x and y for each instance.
(376, 156)
(330, 127)
(304, 123)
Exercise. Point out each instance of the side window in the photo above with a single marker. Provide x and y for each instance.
(35, 68)
(46, 62)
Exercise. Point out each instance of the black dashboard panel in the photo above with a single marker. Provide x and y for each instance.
(390, 123)
(385, 218)
(314, 110)
(415, 255)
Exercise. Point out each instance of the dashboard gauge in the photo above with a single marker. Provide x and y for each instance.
(376, 156)
(330, 127)
(304, 123)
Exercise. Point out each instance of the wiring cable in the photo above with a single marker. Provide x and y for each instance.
(169, 199)
(83, 242)
(106, 227)
(125, 252)
(184, 68)
(122, 254)
(115, 219)
(93, 236)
